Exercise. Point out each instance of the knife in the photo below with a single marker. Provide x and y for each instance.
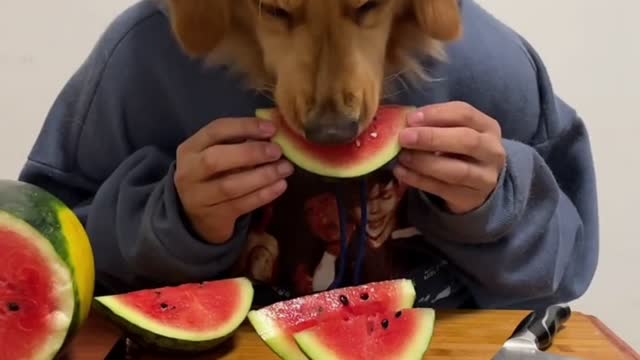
(534, 334)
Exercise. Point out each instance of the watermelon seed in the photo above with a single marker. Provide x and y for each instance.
(385, 323)
(364, 296)
(344, 300)
(164, 306)
(398, 314)
(158, 293)
(320, 309)
(13, 307)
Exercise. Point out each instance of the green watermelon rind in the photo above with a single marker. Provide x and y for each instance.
(284, 345)
(33, 208)
(415, 350)
(277, 340)
(152, 335)
(314, 162)
(65, 294)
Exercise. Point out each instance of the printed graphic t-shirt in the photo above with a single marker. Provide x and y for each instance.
(294, 246)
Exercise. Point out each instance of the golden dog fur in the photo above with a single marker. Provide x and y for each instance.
(315, 55)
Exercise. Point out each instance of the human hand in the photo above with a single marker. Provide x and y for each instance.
(226, 170)
(453, 151)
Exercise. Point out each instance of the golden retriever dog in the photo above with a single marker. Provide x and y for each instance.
(324, 62)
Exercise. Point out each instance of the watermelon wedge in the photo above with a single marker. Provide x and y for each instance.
(185, 318)
(277, 323)
(376, 146)
(402, 335)
(46, 273)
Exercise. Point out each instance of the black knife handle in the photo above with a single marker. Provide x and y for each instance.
(543, 327)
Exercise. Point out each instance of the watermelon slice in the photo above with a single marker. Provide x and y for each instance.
(402, 335)
(185, 318)
(375, 147)
(277, 323)
(46, 273)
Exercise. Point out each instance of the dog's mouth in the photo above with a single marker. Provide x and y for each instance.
(331, 128)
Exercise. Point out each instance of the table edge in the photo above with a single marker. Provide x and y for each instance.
(615, 340)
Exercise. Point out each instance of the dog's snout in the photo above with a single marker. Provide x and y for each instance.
(331, 128)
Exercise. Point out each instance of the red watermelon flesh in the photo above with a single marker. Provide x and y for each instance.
(375, 147)
(186, 317)
(36, 298)
(277, 323)
(402, 335)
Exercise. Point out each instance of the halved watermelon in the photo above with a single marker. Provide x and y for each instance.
(277, 323)
(402, 335)
(189, 317)
(375, 147)
(46, 273)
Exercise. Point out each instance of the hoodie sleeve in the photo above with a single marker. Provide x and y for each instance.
(123, 193)
(535, 241)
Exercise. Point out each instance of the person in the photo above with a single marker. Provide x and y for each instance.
(122, 141)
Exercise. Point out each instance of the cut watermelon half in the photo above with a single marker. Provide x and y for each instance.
(46, 273)
(277, 323)
(402, 335)
(189, 317)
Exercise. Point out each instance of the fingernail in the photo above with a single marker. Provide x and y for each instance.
(285, 169)
(267, 127)
(408, 137)
(280, 186)
(273, 151)
(416, 118)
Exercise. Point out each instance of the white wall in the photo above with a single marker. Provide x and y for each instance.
(589, 47)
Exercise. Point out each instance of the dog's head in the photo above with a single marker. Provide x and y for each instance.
(325, 62)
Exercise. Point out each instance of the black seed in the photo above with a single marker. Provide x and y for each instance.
(344, 300)
(364, 296)
(164, 306)
(398, 314)
(385, 323)
(158, 293)
(13, 307)
(320, 309)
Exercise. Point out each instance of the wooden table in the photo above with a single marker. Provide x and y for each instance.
(459, 335)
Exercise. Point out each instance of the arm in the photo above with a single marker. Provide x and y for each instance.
(535, 241)
(136, 224)
(89, 154)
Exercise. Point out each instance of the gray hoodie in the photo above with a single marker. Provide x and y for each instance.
(107, 148)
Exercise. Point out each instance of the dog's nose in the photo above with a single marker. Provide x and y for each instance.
(331, 128)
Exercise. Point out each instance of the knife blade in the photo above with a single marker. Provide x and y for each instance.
(534, 334)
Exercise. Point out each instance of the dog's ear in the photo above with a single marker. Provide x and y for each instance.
(199, 25)
(440, 19)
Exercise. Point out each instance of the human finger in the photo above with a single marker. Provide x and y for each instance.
(454, 140)
(252, 201)
(458, 199)
(226, 130)
(450, 170)
(454, 114)
(239, 184)
(220, 159)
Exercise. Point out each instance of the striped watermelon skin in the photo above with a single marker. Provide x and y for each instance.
(40, 235)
